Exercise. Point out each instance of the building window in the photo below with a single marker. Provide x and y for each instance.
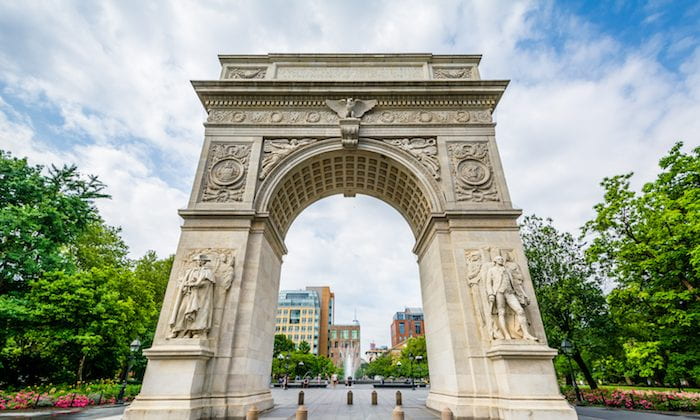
(334, 334)
(294, 316)
(355, 335)
(402, 328)
(346, 334)
(418, 328)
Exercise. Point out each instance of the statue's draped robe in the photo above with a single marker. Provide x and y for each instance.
(193, 306)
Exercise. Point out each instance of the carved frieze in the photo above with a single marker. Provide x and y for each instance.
(224, 176)
(496, 281)
(272, 117)
(204, 273)
(245, 73)
(327, 117)
(275, 150)
(423, 149)
(391, 117)
(452, 72)
(472, 172)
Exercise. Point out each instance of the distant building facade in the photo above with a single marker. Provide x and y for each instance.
(345, 346)
(407, 324)
(374, 352)
(327, 302)
(299, 317)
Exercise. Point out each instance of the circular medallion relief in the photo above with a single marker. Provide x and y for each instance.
(473, 172)
(387, 117)
(238, 116)
(313, 117)
(425, 117)
(462, 116)
(276, 117)
(226, 172)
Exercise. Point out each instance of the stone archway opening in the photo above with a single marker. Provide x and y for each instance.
(359, 250)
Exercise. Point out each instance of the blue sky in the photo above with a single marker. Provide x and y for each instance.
(597, 89)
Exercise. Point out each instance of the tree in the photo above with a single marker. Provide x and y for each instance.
(304, 347)
(282, 345)
(80, 325)
(154, 273)
(381, 366)
(571, 300)
(40, 217)
(649, 243)
(99, 245)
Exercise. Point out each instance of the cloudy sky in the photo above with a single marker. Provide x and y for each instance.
(597, 88)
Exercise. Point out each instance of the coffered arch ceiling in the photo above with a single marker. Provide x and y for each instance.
(373, 169)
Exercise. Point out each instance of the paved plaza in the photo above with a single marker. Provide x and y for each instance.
(331, 403)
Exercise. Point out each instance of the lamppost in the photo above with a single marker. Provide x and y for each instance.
(418, 359)
(134, 347)
(285, 368)
(568, 348)
(398, 364)
(413, 383)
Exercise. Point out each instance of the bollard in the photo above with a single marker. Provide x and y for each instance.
(300, 400)
(446, 414)
(302, 413)
(399, 401)
(252, 413)
(374, 397)
(349, 397)
(397, 413)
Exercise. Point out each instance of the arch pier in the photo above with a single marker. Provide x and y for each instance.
(413, 130)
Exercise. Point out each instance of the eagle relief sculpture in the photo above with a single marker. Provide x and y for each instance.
(350, 108)
(350, 111)
(194, 304)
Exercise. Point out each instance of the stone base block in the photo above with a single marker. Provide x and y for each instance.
(484, 408)
(230, 407)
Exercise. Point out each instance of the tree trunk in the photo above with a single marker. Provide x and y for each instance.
(586, 373)
(80, 369)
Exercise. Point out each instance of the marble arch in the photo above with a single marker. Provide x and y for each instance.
(414, 130)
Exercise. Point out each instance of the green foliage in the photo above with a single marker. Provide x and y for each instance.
(381, 366)
(304, 347)
(301, 364)
(40, 216)
(649, 243)
(412, 362)
(70, 299)
(282, 345)
(571, 300)
(80, 320)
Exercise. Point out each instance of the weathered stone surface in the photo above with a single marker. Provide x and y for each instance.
(422, 139)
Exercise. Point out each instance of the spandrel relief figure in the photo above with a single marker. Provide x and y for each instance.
(192, 313)
(498, 295)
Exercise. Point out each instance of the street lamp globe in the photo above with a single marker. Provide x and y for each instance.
(566, 347)
(135, 345)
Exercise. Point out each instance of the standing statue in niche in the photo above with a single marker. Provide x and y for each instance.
(504, 287)
(192, 313)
